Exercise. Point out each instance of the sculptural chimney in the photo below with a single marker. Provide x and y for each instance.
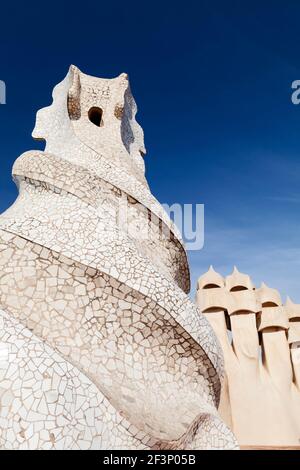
(104, 347)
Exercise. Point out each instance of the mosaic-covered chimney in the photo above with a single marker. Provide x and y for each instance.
(102, 346)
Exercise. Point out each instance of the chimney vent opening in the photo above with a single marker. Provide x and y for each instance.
(95, 116)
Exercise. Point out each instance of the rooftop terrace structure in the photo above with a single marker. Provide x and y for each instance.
(102, 347)
(260, 338)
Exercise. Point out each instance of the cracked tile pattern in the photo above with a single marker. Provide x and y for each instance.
(90, 301)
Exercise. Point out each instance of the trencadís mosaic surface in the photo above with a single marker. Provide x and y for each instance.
(100, 345)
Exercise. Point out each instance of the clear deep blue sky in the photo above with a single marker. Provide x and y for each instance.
(212, 80)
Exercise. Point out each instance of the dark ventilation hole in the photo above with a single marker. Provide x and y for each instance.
(269, 304)
(238, 288)
(95, 116)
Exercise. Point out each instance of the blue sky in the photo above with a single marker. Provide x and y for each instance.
(212, 81)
